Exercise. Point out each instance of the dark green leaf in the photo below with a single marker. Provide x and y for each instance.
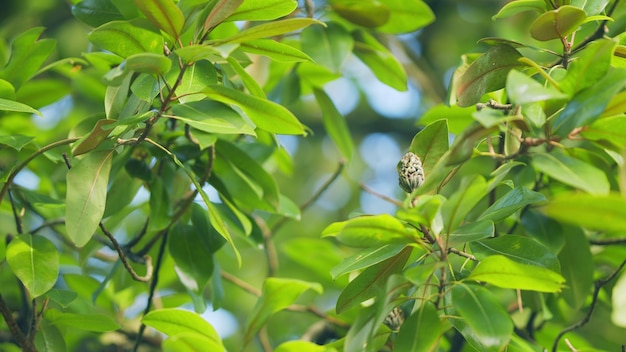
(263, 10)
(335, 124)
(485, 325)
(366, 13)
(126, 38)
(160, 207)
(164, 14)
(35, 262)
(454, 210)
(327, 46)
(430, 144)
(464, 144)
(571, 171)
(406, 16)
(27, 55)
(557, 23)
(511, 202)
(486, 74)
(597, 212)
(365, 259)
(543, 229)
(86, 195)
(421, 331)
(379, 60)
(518, 248)
(577, 267)
(503, 272)
(249, 82)
(278, 294)
(49, 338)
(274, 50)
(270, 29)
(472, 231)
(609, 130)
(213, 117)
(522, 89)
(372, 279)
(589, 67)
(62, 297)
(16, 141)
(194, 262)
(301, 346)
(96, 12)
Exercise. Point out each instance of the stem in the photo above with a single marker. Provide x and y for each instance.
(122, 256)
(14, 328)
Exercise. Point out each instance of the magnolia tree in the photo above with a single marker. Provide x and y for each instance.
(157, 192)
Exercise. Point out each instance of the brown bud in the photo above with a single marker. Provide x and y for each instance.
(410, 172)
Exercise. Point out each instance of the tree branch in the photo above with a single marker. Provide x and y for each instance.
(122, 256)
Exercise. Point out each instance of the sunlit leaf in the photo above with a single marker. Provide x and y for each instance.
(472, 231)
(126, 38)
(374, 231)
(609, 130)
(503, 272)
(472, 189)
(164, 14)
(421, 331)
(328, 46)
(156, 64)
(194, 263)
(589, 67)
(173, 322)
(270, 29)
(220, 11)
(371, 13)
(430, 144)
(597, 212)
(35, 262)
(571, 171)
(302, 346)
(511, 202)
(525, 90)
(263, 10)
(96, 12)
(406, 16)
(213, 117)
(93, 139)
(558, 23)
(521, 249)
(379, 60)
(365, 259)
(248, 81)
(86, 195)
(16, 141)
(274, 50)
(335, 124)
(10, 105)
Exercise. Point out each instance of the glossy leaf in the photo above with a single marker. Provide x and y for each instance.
(265, 114)
(164, 14)
(35, 262)
(194, 262)
(522, 89)
(93, 139)
(10, 105)
(219, 12)
(472, 189)
(372, 13)
(28, 53)
(517, 248)
(375, 231)
(618, 300)
(597, 212)
(588, 105)
(212, 117)
(421, 331)
(515, 7)
(511, 202)
(270, 29)
(89, 322)
(327, 46)
(274, 50)
(173, 322)
(380, 61)
(194, 53)
(558, 23)
(472, 231)
(156, 64)
(571, 171)
(248, 81)
(335, 124)
(589, 67)
(485, 325)
(430, 144)
(464, 144)
(302, 346)
(191, 342)
(503, 272)
(608, 130)
(96, 12)
(126, 38)
(49, 338)
(263, 10)
(406, 16)
(278, 294)
(371, 280)
(86, 195)
(16, 141)
(365, 259)
(196, 77)
(486, 74)
(577, 267)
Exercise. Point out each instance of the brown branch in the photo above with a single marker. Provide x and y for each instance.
(462, 254)
(270, 248)
(371, 191)
(241, 284)
(17, 333)
(122, 256)
(16, 216)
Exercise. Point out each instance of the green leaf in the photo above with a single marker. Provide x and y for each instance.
(503, 272)
(194, 53)
(156, 64)
(515, 7)
(164, 14)
(454, 210)
(472, 231)
(93, 139)
(35, 261)
(421, 331)
(558, 23)
(160, 207)
(379, 60)
(327, 46)
(572, 172)
(335, 124)
(517, 248)
(406, 16)
(194, 262)
(16, 141)
(265, 114)
(577, 266)
(10, 105)
(62, 297)
(511, 202)
(263, 10)
(365, 259)
(278, 294)
(486, 74)
(369, 13)
(371, 280)
(126, 38)
(597, 212)
(212, 117)
(89, 322)
(375, 231)
(174, 322)
(248, 81)
(219, 12)
(485, 324)
(274, 50)
(27, 56)
(464, 144)
(302, 346)
(191, 342)
(587, 105)
(96, 12)
(49, 338)
(522, 89)
(608, 130)
(589, 67)
(86, 195)
(430, 144)
(270, 29)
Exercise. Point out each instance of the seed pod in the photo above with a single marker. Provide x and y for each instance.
(410, 172)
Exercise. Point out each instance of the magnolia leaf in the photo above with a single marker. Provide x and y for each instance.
(35, 262)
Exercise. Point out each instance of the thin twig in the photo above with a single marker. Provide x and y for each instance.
(241, 284)
(270, 248)
(371, 191)
(597, 287)
(16, 216)
(608, 241)
(461, 253)
(122, 256)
